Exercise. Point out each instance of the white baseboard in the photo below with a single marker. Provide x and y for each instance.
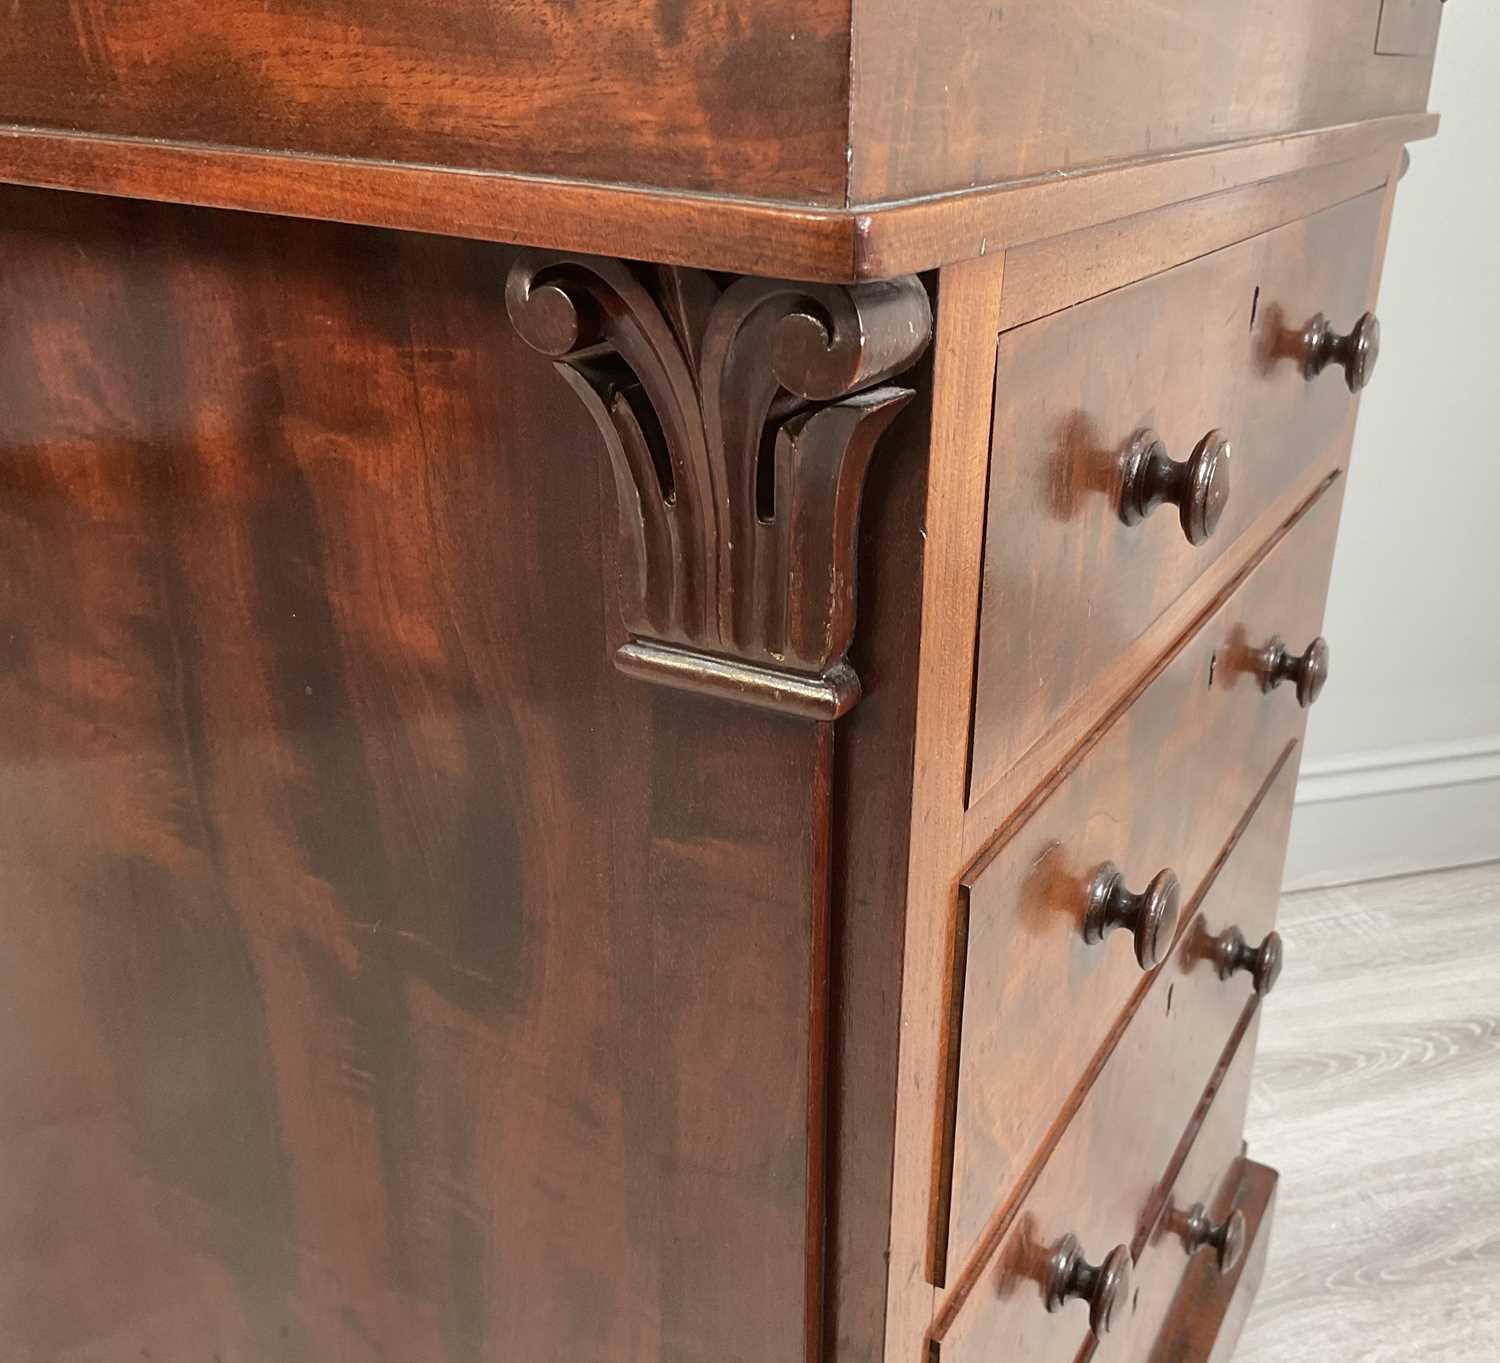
(1394, 813)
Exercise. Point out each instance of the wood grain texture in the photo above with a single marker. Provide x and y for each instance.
(1104, 1182)
(990, 218)
(1378, 1093)
(741, 418)
(1051, 275)
(668, 94)
(1211, 345)
(387, 977)
(950, 96)
(1209, 1312)
(824, 103)
(1038, 1001)
(874, 760)
(1121, 678)
(789, 240)
(962, 382)
(1210, 1176)
(1160, 1053)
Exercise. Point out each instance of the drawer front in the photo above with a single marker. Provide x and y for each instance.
(1211, 1307)
(1207, 1178)
(1097, 1188)
(1166, 787)
(1107, 1179)
(1212, 345)
(1320, 266)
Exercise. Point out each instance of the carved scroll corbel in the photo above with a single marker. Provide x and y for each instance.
(740, 421)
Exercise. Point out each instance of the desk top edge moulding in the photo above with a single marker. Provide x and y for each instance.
(713, 230)
(653, 664)
(830, 141)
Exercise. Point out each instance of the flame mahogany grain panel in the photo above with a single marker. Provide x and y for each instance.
(816, 103)
(1211, 344)
(748, 101)
(389, 971)
(387, 977)
(1165, 787)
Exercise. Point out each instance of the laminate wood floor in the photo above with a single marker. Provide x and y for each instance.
(1377, 1095)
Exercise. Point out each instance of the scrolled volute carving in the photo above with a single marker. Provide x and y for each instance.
(740, 418)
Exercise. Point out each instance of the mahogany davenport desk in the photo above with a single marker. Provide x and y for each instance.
(653, 662)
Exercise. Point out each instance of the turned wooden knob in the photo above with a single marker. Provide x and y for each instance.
(1151, 916)
(1234, 954)
(1309, 670)
(1071, 1277)
(1357, 352)
(1227, 1237)
(1198, 487)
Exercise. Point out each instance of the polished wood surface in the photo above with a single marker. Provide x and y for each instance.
(969, 93)
(1047, 276)
(740, 423)
(1210, 346)
(1038, 999)
(826, 104)
(367, 1011)
(637, 779)
(791, 240)
(1334, 255)
(953, 527)
(665, 94)
(873, 793)
(1103, 1182)
(1209, 1310)
(1208, 1178)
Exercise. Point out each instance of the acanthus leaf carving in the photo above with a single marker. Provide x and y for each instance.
(740, 419)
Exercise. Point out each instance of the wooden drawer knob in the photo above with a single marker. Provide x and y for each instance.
(1357, 352)
(1309, 670)
(1151, 916)
(1198, 487)
(1234, 954)
(1071, 1277)
(1228, 1237)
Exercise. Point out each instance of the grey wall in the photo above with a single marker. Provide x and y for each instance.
(1402, 768)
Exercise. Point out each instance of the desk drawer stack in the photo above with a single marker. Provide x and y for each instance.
(654, 665)
(1114, 935)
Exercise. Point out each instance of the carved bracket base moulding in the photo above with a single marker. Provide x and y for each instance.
(740, 417)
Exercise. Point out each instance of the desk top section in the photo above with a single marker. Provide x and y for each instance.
(819, 115)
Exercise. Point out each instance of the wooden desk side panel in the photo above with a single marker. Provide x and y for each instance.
(749, 100)
(385, 976)
(874, 764)
(947, 97)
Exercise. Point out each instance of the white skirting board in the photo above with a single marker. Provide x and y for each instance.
(1370, 815)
